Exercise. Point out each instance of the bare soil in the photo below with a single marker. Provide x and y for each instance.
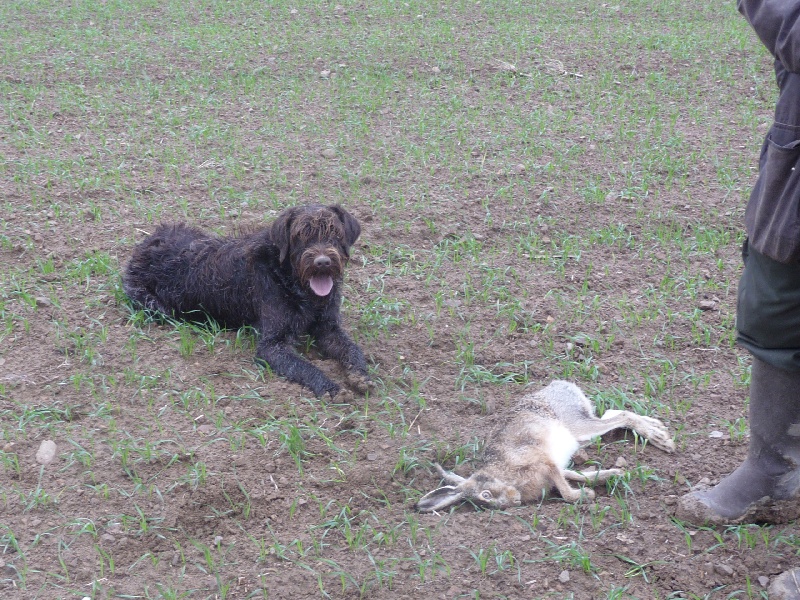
(279, 500)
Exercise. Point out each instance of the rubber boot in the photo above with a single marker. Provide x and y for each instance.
(786, 586)
(766, 487)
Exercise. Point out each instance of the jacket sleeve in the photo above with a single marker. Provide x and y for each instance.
(777, 24)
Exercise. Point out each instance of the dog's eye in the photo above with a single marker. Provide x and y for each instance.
(486, 495)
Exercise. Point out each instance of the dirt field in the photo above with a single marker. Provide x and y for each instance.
(549, 190)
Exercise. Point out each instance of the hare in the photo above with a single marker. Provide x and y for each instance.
(529, 455)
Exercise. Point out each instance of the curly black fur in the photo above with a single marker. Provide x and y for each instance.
(284, 280)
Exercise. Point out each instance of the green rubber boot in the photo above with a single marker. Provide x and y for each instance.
(765, 488)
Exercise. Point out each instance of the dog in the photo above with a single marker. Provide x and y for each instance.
(284, 280)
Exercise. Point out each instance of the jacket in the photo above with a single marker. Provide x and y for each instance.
(772, 216)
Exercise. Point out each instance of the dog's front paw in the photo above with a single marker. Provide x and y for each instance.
(327, 387)
(361, 383)
(344, 396)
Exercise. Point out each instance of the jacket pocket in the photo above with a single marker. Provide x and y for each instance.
(772, 216)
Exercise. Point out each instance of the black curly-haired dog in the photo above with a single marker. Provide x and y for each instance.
(284, 280)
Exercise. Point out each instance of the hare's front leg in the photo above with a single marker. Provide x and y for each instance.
(569, 493)
(592, 477)
(448, 476)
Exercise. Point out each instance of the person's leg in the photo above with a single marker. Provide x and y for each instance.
(766, 486)
(771, 470)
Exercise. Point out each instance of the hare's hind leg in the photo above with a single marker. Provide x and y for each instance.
(647, 427)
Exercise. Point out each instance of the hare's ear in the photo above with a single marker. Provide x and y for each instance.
(440, 498)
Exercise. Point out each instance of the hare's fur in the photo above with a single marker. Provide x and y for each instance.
(529, 455)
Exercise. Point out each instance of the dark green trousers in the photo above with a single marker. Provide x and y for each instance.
(768, 310)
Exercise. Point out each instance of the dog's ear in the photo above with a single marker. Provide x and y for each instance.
(351, 227)
(280, 230)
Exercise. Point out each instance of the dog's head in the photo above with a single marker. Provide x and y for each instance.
(316, 241)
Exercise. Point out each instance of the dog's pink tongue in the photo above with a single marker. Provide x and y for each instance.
(321, 285)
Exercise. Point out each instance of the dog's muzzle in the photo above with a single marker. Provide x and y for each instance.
(320, 268)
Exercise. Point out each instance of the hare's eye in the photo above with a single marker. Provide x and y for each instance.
(486, 495)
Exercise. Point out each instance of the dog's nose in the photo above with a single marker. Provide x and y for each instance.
(322, 261)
